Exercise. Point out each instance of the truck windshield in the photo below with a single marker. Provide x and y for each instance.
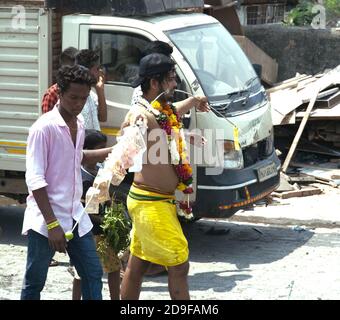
(217, 60)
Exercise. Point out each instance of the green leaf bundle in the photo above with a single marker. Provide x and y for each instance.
(116, 230)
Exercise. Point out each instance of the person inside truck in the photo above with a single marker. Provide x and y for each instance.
(50, 98)
(95, 109)
(53, 177)
(157, 236)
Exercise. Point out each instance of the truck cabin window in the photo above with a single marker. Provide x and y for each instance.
(218, 62)
(120, 54)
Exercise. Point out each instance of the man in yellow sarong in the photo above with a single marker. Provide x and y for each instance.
(157, 236)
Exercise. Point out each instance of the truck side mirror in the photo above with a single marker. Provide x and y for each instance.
(258, 69)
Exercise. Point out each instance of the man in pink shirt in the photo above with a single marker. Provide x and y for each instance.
(53, 176)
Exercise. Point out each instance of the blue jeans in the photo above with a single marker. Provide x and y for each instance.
(83, 254)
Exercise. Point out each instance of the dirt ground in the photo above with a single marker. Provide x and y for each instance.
(230, 259)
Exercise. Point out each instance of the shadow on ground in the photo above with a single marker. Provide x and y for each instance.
(11, 219)
(222, 253)
(239, 246)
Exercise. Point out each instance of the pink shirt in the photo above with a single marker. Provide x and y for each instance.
(53, 162)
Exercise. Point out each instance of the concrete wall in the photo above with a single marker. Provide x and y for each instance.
(303, 50)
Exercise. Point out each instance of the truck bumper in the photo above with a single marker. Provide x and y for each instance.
(220, 196)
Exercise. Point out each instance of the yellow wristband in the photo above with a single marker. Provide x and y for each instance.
(53, 225)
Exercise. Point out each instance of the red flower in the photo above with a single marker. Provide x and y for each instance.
(188, 190)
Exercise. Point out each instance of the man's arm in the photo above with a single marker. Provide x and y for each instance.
(102, 107)
(134, 116)
(201, 103)
(56, 236)
(94, 156)
(36, 166)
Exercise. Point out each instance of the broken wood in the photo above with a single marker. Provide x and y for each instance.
(285, 101)
(328, 102)
(318, 86)
(299, 133)
(328, 92)
(283, 86)
(284, 184)
(297, 193)
(321, 175)
(302, 179)
(321, 114)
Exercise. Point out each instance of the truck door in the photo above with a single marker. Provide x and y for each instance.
(120, 51)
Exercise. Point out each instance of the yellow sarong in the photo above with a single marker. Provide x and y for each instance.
(156, 234)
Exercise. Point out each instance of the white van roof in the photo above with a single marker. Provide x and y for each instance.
(164, 22)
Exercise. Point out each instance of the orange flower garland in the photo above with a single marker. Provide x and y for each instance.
(169, 120)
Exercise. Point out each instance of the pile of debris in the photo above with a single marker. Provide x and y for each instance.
(305, 112)
(289, 98)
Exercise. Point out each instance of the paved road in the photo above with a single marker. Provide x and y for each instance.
(229, 261)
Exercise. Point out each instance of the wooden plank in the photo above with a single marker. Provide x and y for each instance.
(292, 84)
(318, 114)
(322, 175)
(328, 102)
(303, 84)
(289, 118)
(297, 77)
(319, 85)
(285, 101)
(302, 179)
(328, 92)
(299, 133)
(297, 193)
(324, 167)
(284, 184)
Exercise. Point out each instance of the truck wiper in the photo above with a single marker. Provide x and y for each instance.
(238, 93)
(212, 107)
(247, 86)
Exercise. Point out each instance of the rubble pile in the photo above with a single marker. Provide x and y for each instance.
(306, 114)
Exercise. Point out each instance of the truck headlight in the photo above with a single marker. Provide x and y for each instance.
(233, 159)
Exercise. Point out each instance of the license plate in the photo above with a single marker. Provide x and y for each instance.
(267, 172)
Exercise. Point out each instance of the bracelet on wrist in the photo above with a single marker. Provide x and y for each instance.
(53, 225)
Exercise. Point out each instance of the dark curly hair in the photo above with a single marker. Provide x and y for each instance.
(68, 56)
(73, 74)
(93, 138)
(87, 58)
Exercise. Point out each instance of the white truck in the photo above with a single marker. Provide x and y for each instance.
(209, 62)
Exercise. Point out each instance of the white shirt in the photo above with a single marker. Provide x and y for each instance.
(90, 112)
(53, 162)
(137, 93)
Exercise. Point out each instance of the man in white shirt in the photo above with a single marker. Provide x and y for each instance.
(95, 109)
